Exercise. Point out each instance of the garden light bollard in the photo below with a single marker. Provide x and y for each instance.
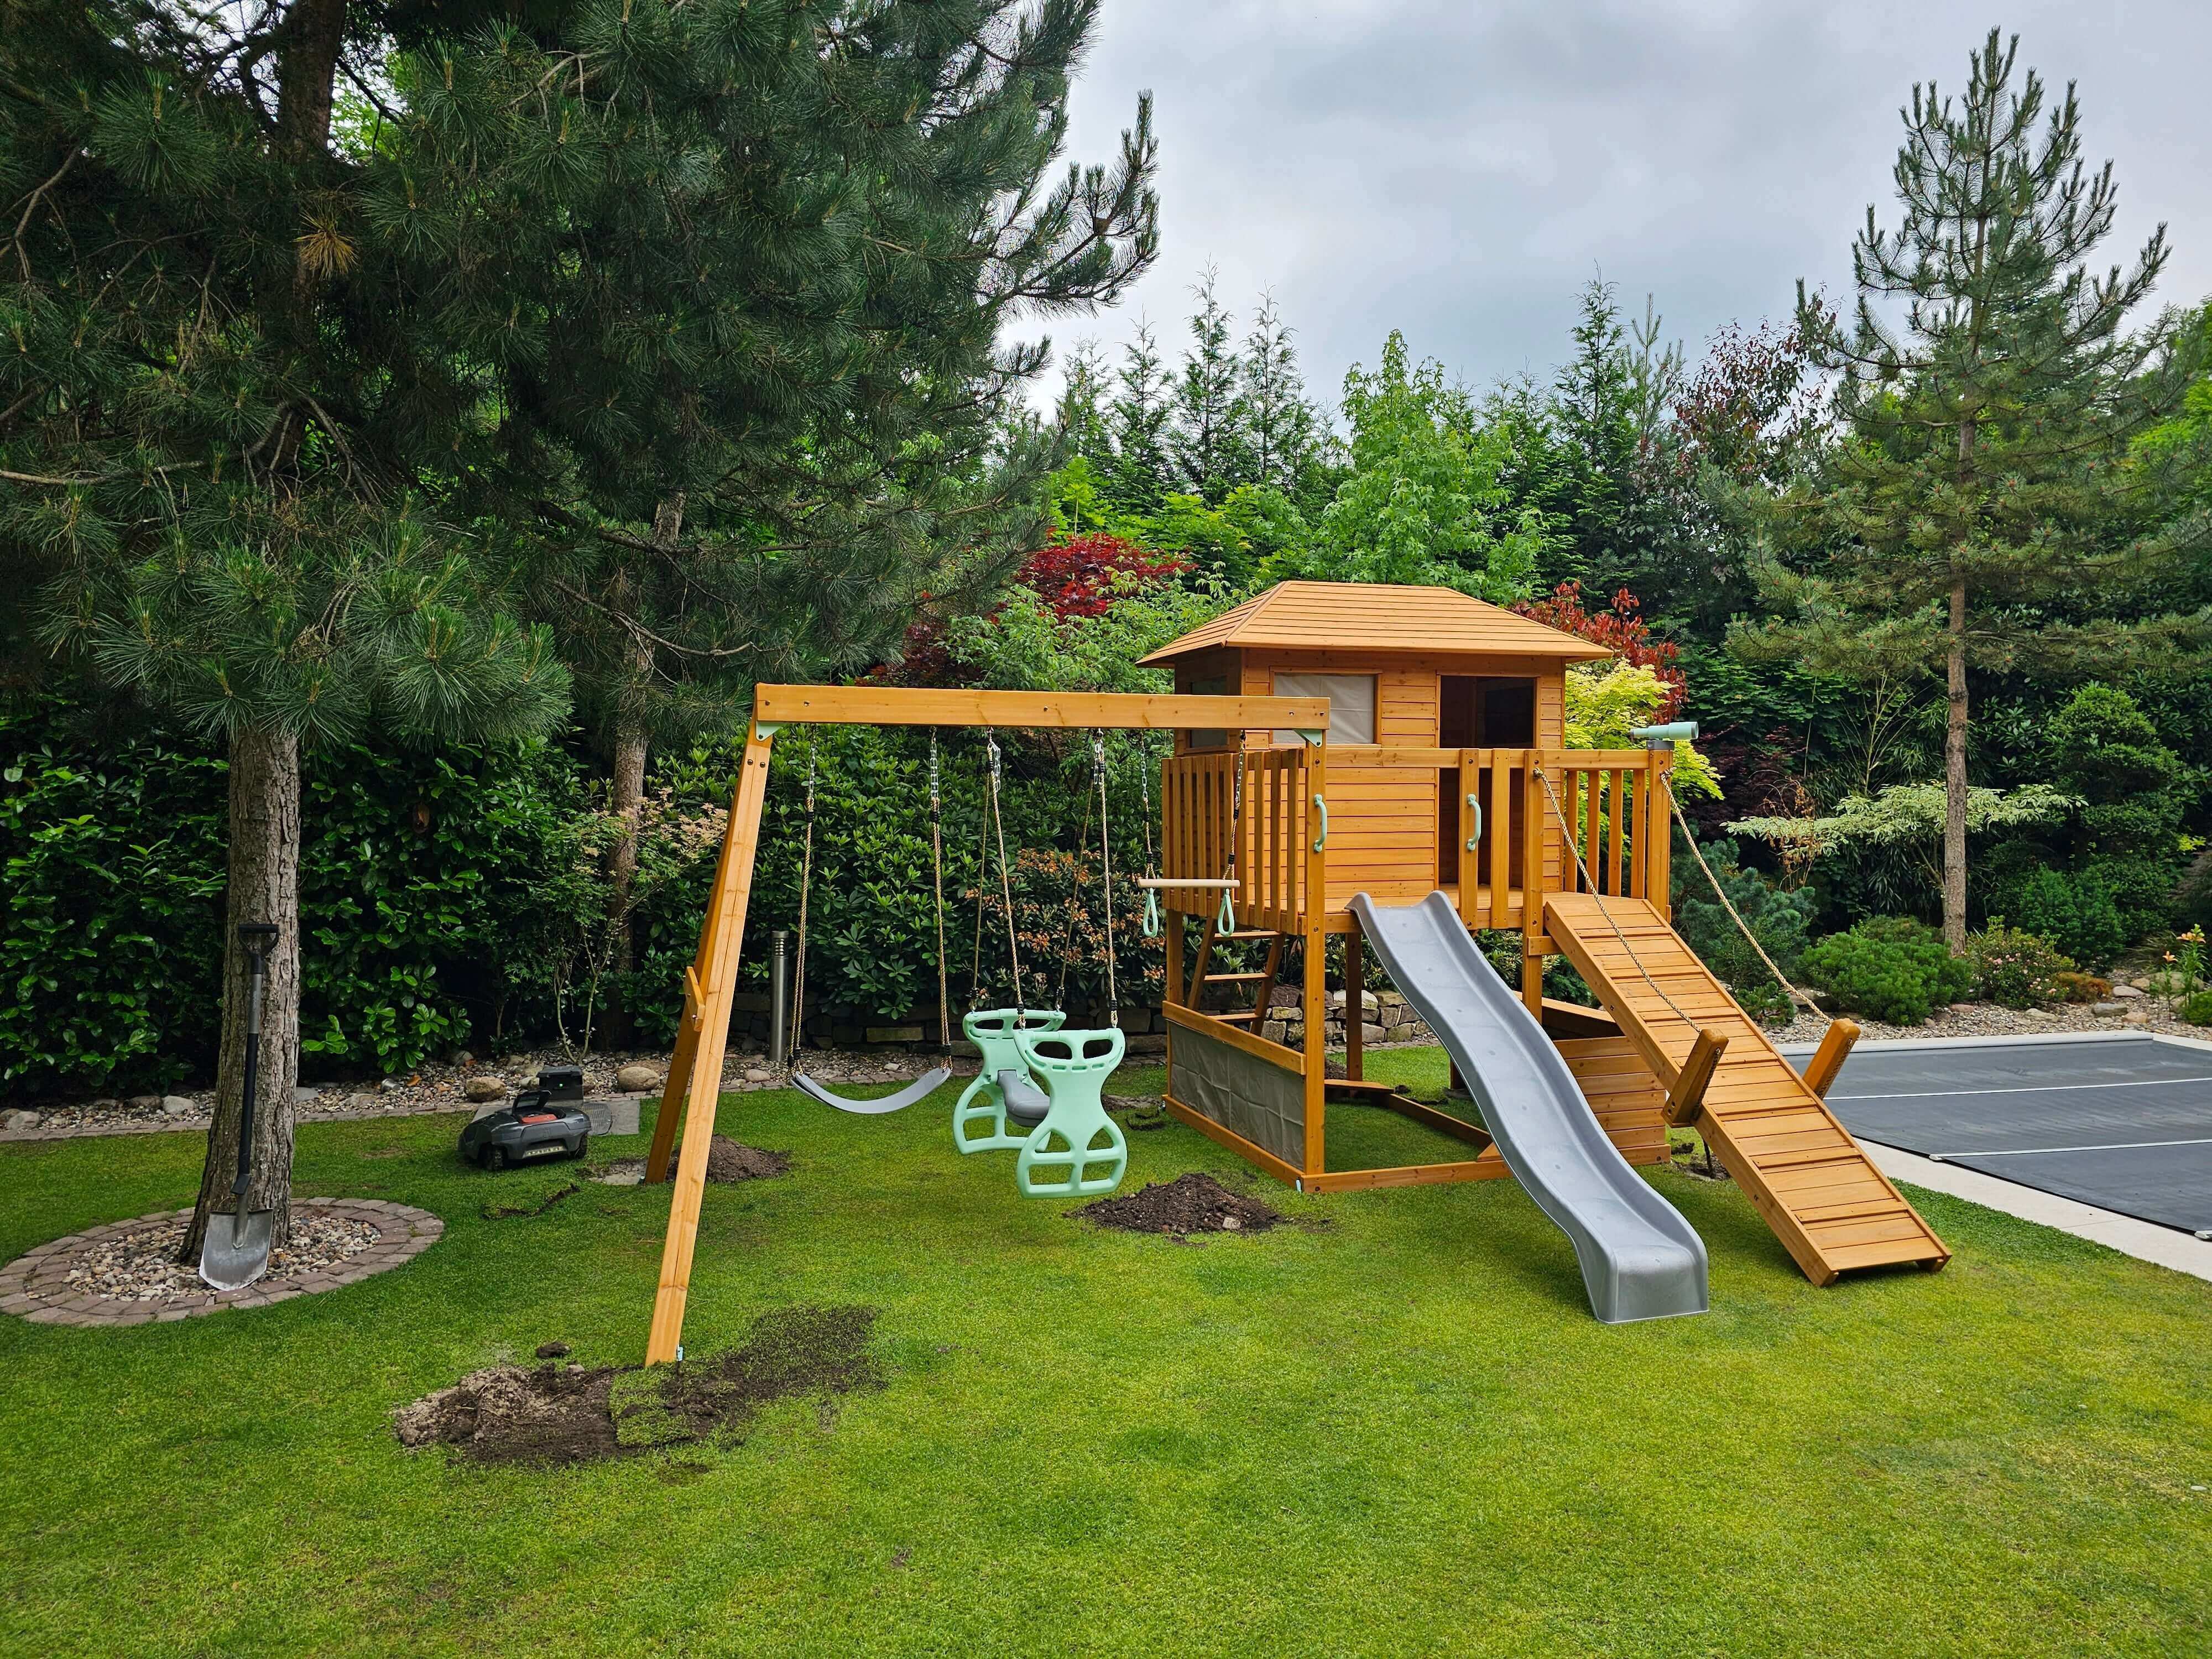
(779, 951)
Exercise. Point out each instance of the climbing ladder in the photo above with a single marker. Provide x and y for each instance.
(1261, 980)
(1832, 1210)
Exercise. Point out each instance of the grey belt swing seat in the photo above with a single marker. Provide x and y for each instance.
(920, 1089)
(928, 1084)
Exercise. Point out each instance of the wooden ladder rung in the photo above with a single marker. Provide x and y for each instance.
(1233, 979)
(1233, 1016)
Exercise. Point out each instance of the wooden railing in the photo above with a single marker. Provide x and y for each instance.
(1616, 805)
(1263, 846)
(1246, 815)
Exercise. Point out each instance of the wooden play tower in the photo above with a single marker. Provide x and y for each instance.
(1336, 738)
(1444, 770)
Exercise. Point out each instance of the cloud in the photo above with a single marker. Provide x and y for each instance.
(1459, 171)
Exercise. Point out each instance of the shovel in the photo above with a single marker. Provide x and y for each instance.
(236, 1251)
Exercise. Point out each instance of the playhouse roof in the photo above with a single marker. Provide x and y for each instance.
(1378, 617)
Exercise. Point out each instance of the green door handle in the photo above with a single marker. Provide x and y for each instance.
(1476, 807)
(1321, 806)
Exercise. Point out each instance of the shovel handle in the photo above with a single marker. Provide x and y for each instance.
(256, 936)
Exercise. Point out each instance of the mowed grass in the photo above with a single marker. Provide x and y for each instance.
(1394, 1431)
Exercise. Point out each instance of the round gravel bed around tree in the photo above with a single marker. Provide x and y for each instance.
(121, 1274)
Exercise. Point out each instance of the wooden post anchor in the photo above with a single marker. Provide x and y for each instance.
(1687, 1093)
(1828, 1058)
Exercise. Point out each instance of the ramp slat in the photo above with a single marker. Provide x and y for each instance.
(1832, 1209)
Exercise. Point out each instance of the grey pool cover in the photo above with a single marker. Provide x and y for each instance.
(2121, 1122)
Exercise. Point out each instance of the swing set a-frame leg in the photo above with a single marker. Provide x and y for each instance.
(694, 1075)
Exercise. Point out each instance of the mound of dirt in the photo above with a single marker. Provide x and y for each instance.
(568, 1414)
(732, 1160)
(1194, 1203)
(509, 1414)
(818, 1351)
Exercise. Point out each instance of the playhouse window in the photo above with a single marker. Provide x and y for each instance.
(1351, 703)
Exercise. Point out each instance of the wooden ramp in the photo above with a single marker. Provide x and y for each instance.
(1827, 1203)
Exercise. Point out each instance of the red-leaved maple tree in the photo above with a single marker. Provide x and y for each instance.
(1618, 629)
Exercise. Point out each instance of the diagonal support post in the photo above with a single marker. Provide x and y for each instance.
(694, 1075)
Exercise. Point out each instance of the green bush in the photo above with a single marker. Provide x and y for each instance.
(2016, 967)
(2073, 909)
(2196, 1008)
(418, 875)
(1780, 920)
(1892, 969)
(110, 906)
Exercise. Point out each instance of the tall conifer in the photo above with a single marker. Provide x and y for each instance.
(1984, 513)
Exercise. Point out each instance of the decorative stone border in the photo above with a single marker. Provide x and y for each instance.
(36, 1286)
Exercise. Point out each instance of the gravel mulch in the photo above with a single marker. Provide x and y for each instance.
(1979, 1019)
(118, 1274)
(442, 1088)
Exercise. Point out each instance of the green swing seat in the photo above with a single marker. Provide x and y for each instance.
(1002, 1092)
(1074, 1065)
(1020, 1045)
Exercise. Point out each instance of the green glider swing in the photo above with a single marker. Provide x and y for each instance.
(1060, 1126)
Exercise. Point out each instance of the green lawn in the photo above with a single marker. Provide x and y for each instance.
(1398, 1432)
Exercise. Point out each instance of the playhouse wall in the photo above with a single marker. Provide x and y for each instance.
(1383, 820)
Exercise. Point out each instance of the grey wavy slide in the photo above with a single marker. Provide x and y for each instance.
(1639, 1259)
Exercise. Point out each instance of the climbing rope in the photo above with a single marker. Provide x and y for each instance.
(805, 890)
(1574, 848)
(1797, 1000)
(937, 868)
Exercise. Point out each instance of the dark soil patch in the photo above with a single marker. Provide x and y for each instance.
(732, 1160)
(1194, 1203)
(528, 1201)
(558, 1413)
(821, 1352)
(509, 1414)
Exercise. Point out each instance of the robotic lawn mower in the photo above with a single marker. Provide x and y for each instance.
(532, 1128)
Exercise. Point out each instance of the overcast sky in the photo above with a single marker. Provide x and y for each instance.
(1459, 170)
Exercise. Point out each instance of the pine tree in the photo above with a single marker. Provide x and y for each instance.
(210, 425)
(1141, 477)
(1983, 513)
(736, 273)
(1284, 427)
(1209, 438)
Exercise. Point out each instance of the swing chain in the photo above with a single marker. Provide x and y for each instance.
(1005, 873)
(1151, 923)
(1106, 871)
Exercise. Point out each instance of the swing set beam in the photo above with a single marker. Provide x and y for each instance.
(1126, 711)
(695, 1072)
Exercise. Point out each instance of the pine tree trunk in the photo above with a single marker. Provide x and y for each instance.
(1954, 772)
(265, 886)
(628, 791)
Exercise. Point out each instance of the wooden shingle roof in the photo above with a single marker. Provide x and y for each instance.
(1379, 617)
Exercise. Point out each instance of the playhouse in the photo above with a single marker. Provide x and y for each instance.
(1383, 767)
(1443, 773)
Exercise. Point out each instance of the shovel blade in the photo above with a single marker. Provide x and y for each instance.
(236, 1251)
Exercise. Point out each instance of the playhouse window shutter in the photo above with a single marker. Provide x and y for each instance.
(1351, 703)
